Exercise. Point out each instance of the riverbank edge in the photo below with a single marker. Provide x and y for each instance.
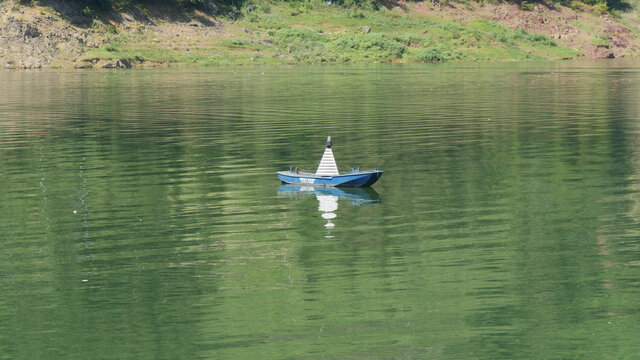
(39, 36)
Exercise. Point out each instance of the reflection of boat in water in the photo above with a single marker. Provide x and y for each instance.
(359, 196)
(328, 175)
(328, 197)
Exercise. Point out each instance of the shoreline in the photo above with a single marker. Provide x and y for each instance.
(36, 36)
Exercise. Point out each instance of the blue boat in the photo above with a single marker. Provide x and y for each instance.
(328, 175)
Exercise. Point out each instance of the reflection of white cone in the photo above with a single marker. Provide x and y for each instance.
(329, 225)
(328, 216)
(327, 204)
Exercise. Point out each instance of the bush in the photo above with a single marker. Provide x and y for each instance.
(370, 46)
(600, 8)
(267, 22)
(110, 48)
(434, 55)
(121, 5)
(576, 5)
(533, 37)
(297, 36)
(265, 8)
(87, 11)
(359, 4)
(502, 38)
(378, 42)
(601, 39)
(526, 6)
(111, 29)
(409, 40)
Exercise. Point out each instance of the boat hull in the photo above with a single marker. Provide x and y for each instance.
(355, 179)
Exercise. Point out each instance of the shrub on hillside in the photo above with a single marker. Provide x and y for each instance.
(410, 40)
(434, 55)
(360, 4)
(370, 46)
(298, 36)
(533, 37)
(600, 8)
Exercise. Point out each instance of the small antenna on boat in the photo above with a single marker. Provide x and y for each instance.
(329, 143)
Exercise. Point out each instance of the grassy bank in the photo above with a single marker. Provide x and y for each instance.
(264, 32)
(317, 32)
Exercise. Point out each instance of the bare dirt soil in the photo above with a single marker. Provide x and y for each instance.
(595, 35)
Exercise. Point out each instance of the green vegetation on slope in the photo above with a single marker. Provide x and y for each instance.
(208, 32)
(321, 33)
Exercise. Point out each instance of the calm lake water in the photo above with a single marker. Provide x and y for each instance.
(141, 218)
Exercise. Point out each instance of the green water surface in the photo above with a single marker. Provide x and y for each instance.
(140, 215)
